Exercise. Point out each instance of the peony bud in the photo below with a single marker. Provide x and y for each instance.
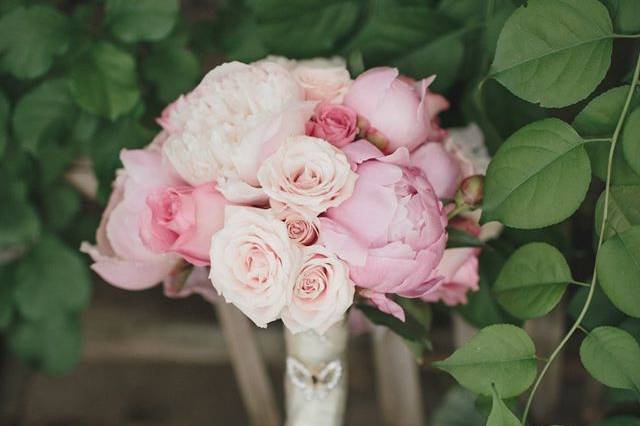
(470, 191)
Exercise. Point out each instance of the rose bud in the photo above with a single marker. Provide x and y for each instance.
(470, 191)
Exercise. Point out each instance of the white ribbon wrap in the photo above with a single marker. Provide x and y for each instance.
(316, 377)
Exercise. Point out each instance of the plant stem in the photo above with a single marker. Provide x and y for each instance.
(583, 312)
(580, 283)
(626, 35)
(596, 140)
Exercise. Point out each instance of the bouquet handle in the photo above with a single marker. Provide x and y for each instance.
(316, 377)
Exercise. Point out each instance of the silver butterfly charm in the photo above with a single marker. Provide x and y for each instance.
(314, 384)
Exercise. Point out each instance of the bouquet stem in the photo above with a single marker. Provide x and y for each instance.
(316, 377)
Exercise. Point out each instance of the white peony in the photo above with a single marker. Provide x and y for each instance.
(253, 263)
(237, 116)
(322, 292)
(308, 175)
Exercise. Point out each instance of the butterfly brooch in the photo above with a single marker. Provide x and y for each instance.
(314, 383)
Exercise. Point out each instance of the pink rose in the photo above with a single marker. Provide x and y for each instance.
(301, 229)
(183, 219)
(400, 113)
(459, 269)
(322, 292)
(337, 124)
(391, 231)
(120, 257)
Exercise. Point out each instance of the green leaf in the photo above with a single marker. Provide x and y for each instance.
(470, 10)
(172, 69)
(598, 120)
(106, 146)
(304, 28)
(457, 409)
(4, 118)
(19, 223)
(601, 310)
(618, 266)
(237, 35)
(631, 140)
(46, 111)
(104, 82)
(624, 209)
(30, 38)
(500, 414)
(6, 295)
(414, 38)
(631, 326)
(53, 344)
(61, 205)
(500, 354)
(538, 177)
(51, 278)
(554, 52)
(611, 356)
(482, 310)
(412, 330)
(532, 281)
(625, 14)
(141, 20)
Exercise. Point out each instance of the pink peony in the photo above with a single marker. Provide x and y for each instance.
(120, 257)
(459, 268)
(337, 124)
(391, 231)
(183, 219)
(401, 113)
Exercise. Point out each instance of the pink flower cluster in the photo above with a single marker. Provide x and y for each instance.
(299, 188)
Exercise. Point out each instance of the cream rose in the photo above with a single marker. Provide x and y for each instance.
(253, 263)
(322, 292)
(307, 174)
(237, 116)
(323, 79)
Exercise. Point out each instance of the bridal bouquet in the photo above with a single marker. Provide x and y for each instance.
(302, 190)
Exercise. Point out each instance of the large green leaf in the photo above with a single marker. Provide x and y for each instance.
(620, 421)
(532, 281)
(30, 38)
(304, 28)
(631, 140)
(6, 295)
(414, 38)
(104, 81)
(500, 414)
(554, 52)
(501, 354)
(141, 20)
(624, 209)
(618, 266)
(19, 223)
(51, 278)
(625, 14)
(457, 409)
(173, 70)
(482, 310)
(53, 344)
(538, 177)
(598, 120)
(611, 356)
(45, 111)
(61, 205)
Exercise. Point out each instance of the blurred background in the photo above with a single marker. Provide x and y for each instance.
(81, 80)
